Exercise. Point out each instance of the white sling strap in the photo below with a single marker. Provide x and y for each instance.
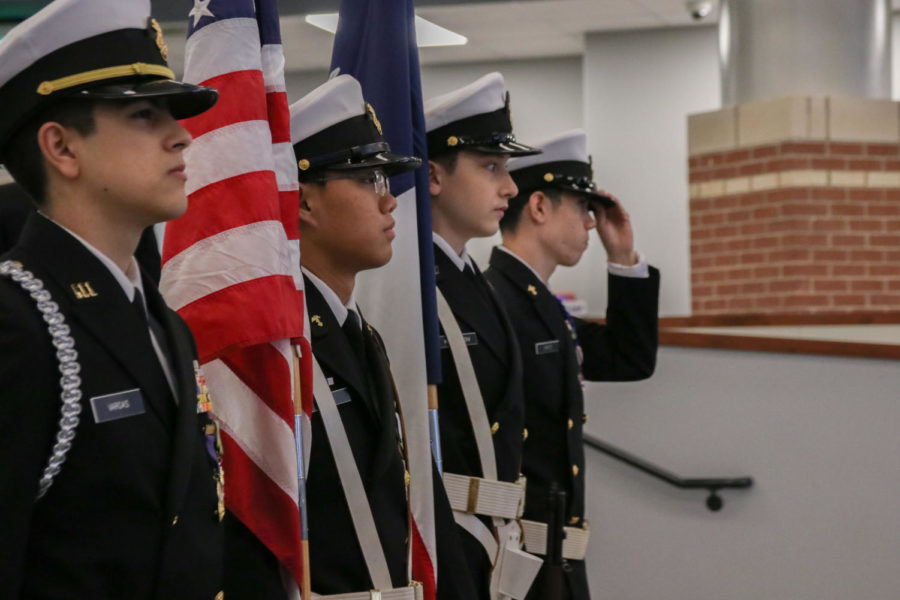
(354, 492)
(574, 544)
(514, 571)
(469, 384)
(411, 592)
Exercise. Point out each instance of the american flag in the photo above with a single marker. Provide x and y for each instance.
(376, 43)
(231, 265)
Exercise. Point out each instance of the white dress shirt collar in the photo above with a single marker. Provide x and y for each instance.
(338, 309)
(459, 260)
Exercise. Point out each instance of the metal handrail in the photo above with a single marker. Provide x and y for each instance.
(714, 501)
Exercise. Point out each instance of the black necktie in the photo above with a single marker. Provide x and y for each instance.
(159, 334)
(352, 328)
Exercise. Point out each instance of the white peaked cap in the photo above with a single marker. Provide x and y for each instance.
(332, 127)
(92, 49)
(486, 94)
(568, 146)
(65, 22)
(334, 101)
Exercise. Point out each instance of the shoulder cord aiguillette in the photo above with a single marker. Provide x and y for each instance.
(69, 368)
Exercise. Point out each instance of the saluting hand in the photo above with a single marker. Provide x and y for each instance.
(614, 228)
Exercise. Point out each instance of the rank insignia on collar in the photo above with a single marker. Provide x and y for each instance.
(316, 320)
(160, 42)
(532, 290)
(83, 290)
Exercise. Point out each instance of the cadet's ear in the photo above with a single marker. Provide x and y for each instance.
(538, 207)
(307, 201)
(435, 177)
(58, 145)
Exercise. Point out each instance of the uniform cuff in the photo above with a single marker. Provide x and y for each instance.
(638, 271)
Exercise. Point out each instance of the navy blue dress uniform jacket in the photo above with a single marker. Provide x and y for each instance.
(366, 402)
(624, 349)
(133, 512)
(15, 206)
(498, 370)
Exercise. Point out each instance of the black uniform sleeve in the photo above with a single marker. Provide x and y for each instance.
(624, 349)
(29, 413)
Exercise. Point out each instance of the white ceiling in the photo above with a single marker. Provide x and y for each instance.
(496, 31)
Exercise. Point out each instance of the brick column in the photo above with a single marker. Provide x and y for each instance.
(795, 207)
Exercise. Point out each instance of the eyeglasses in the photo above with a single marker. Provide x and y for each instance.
(376, 178)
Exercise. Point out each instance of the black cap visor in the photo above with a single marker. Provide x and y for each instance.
(184, 99)
(500, 146)
(568, 176)
(593, 196)
(392, 164)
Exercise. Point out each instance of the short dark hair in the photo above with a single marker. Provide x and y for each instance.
(22, 155)
(510, 220)
(447, 160)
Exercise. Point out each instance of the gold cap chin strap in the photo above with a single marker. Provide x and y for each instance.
(48, 87)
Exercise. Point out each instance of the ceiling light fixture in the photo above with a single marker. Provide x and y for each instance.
(428, 34)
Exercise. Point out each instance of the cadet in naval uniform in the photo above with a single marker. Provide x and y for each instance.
(547, 225)
(470, 140)
(346, 227)
(108, 474)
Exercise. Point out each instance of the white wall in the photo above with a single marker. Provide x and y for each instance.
(639, 88)
(817, 434)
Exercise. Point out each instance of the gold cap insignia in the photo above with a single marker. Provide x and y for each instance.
(303, 164)
(160, 42)
(375, 120)
(548, 177)
(452, 140)
(532, 290)
(495, 427)
(316, 319)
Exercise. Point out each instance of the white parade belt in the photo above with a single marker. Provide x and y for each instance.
(411, 592)
(574, 545)
(491, 498)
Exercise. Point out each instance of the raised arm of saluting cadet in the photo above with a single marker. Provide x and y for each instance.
(547, 225)
(108, 474)
(359, 533)
(480, 400)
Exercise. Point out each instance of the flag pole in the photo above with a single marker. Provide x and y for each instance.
(305, 590)
(434, 428)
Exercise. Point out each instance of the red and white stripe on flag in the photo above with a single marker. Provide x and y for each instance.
(231, 270)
